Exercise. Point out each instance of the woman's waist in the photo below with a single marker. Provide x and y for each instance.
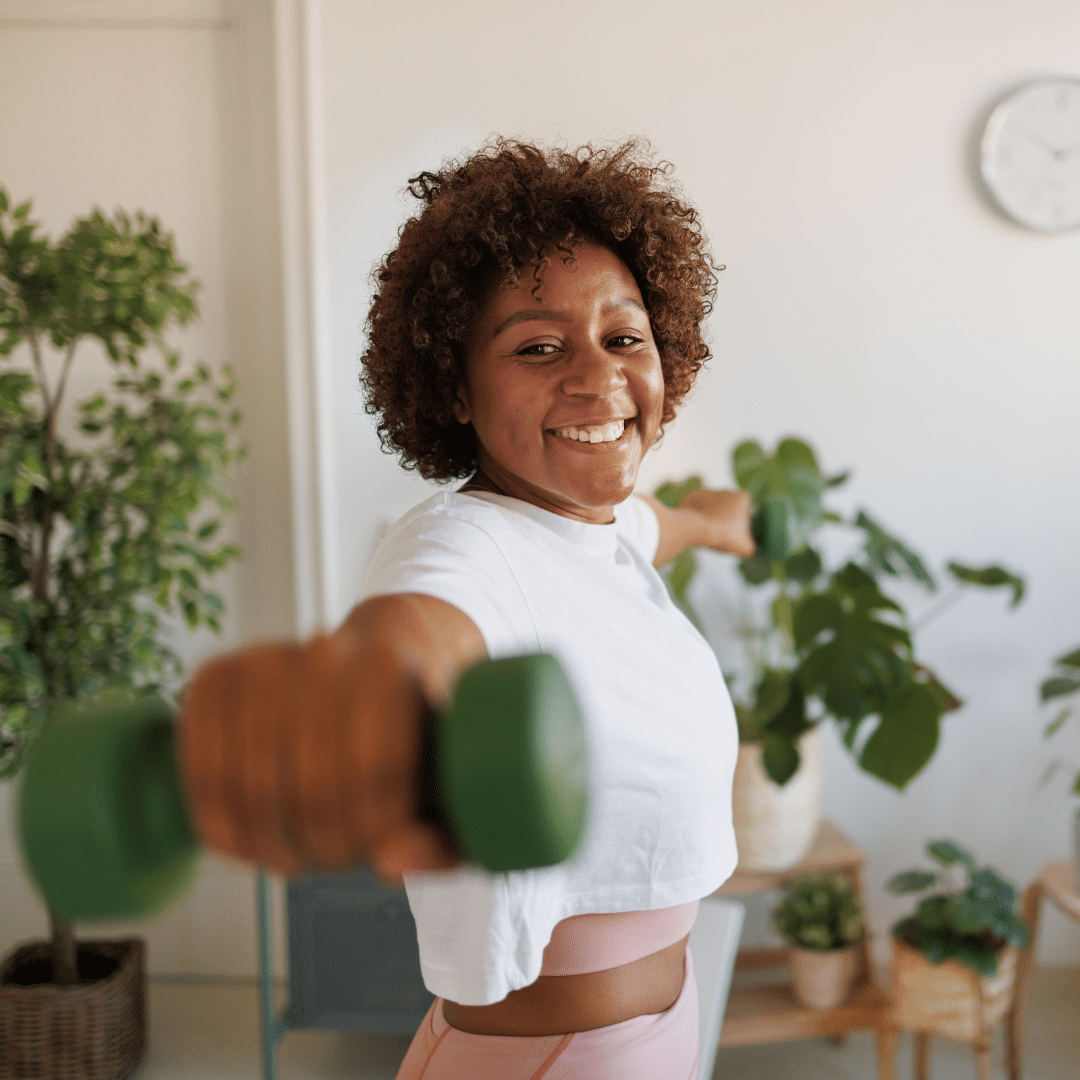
(610, 968)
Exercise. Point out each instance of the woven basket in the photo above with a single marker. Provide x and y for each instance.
(95, 1030)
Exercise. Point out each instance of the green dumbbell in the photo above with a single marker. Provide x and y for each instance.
(106, 833)
(771, 528)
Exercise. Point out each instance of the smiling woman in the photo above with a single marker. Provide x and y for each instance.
(536, 326)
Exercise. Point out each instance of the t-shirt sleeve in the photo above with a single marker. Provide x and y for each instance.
(637, 524)
(457, 561)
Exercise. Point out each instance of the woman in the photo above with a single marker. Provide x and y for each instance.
(536, 326)
(533, 331)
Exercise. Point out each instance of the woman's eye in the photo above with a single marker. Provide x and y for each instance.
(539, 348)
(623, 341)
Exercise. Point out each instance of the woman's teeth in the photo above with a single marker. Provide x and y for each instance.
(600, 433)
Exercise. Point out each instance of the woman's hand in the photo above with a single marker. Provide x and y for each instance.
(301, 757)
(716, 519)
(726, 519)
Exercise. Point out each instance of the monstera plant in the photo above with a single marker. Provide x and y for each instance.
(833, 643)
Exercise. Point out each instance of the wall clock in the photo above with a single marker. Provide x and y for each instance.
(1031, 154)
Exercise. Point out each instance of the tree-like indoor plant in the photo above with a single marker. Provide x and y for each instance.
(109, 515)
(821, 641)
(955, 958)
(1063, 688)
(821, 918)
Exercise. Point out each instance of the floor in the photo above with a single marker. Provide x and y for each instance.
(210, 1031)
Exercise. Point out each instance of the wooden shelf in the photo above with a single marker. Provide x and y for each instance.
(1059, 882)
(771, 1012)
(757, 1014)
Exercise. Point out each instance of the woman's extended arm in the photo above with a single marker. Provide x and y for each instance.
(716, 519)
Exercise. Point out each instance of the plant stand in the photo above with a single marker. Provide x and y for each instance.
(952, 1000)
(354, 964)
(1058, 882)
(93, 1030)
(761, 1014)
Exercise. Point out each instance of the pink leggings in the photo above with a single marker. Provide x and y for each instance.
(659, 1046)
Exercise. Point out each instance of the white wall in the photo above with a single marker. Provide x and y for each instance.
(165, 107)
(874, 302)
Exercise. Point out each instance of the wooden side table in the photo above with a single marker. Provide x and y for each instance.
(1059, 884)
(771, 1013)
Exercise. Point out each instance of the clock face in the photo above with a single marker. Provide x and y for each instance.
(1031, 154)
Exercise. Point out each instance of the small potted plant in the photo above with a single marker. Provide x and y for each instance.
(954, 959)
(821, 642)
(821, 918)
(1063, 687)
(109, 516)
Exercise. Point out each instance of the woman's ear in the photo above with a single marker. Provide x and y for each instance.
(462, 410)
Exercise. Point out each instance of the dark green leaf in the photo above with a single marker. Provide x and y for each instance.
(1055, 725)
(886, 554)
(803, 566)
(671, 494)
(780, 757)
(1069, 659)
(1059, 686)
(948, 854)
(756, 570)
(681, 574)
(989, 577)
(906, 738)
(747, 460)
(911, 881)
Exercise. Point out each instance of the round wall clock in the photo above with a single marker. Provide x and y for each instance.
(1031, 154)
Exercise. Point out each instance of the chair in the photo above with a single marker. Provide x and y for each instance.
(714, 941)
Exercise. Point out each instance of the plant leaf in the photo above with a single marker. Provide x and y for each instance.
(780, 757)
(948, 854)
(906, 738)
(1069, 659)
(911, 881)
(989, 577)
(1058, 686)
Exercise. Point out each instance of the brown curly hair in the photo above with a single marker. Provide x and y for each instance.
(487, 218)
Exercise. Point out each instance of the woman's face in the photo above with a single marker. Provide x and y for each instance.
(564, 389)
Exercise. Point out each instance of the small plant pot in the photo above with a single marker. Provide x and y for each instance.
(823, 978)
(948, 998)
(774, 825)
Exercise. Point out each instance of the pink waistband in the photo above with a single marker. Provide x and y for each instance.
(585, 943)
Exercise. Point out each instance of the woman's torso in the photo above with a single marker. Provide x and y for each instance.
(598, 970)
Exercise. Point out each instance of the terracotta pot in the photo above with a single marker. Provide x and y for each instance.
(774, 825)
(948, 998)
(823, 978)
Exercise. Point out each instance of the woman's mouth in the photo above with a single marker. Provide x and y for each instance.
(594, 433)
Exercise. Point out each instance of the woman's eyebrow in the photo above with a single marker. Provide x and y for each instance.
(534, 315)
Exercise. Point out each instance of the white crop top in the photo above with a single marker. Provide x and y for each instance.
(660, 727)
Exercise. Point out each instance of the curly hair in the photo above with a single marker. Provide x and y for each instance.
(498, 212)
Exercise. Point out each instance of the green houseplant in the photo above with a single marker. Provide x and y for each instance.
(109, 510)
(1063, 688)
(822, 920)
(833, 643)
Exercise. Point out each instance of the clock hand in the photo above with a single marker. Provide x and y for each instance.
(1057, 153)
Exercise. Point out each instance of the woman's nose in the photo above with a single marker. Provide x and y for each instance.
(594, 372)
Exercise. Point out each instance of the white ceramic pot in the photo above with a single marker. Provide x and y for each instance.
(774, 825)
(823, 978)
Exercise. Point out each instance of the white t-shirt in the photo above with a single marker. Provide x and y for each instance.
(659, 724)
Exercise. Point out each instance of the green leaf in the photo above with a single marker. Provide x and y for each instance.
(747, 461)
(671, 494)
(906, 738)
(947, 853)
(1069, 659)
(1055, 725)
(803, 566)
(681, 574)
(989, 577)
(886, 554)
(911, 881)
(756, 570)
(1059, 686)
(780, 757)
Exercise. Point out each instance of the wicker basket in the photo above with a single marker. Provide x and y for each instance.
(95, 1030)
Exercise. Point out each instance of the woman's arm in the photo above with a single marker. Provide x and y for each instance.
(716, 519)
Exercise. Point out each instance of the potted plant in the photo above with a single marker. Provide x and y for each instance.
(108, 517)
(821, 641)
(821, 918)
(1063, 687)
(954, 960)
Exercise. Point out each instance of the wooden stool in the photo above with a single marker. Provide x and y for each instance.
(1058, 882)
